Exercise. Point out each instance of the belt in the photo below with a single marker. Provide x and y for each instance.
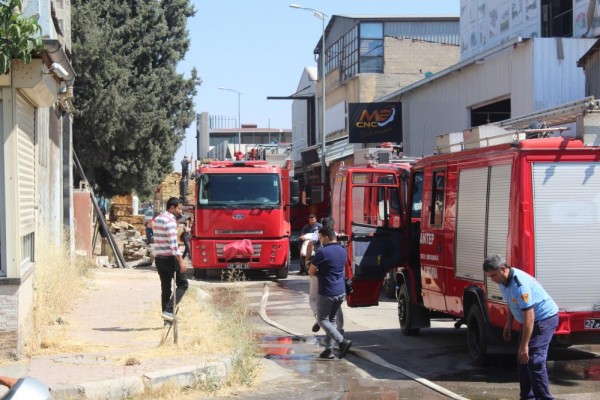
(165, 256)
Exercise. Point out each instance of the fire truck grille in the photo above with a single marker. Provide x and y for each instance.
(255, 258)
(232, 232)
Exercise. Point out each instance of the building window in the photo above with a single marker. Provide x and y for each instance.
(349, 66)
(27, 248)
(489, 113)
(371, 47)
(557, 18)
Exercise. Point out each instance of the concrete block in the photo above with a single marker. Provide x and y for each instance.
(113, 389)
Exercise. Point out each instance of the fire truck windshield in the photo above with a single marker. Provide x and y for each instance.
(239, 190)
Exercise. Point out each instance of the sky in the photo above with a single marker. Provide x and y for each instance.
(261, 47)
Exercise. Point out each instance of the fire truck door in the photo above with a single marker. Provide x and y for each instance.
(374, 247)
(432, 241)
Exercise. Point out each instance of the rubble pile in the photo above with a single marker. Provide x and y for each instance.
(121, 211)
(132, 243)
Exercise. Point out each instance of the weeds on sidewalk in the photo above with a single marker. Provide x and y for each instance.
(221, 326)
(57, 280)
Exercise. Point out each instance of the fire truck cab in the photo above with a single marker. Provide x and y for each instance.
(242, 213)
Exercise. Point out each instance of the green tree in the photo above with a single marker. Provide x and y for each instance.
(132, 106)
(19, 35)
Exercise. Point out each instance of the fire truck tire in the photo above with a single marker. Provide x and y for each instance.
(405, 313)
(476, 337)
(389, 284)
(282, 273)
(199, 273)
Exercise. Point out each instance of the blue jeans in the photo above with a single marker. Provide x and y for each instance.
(327, 308)
(533, 376)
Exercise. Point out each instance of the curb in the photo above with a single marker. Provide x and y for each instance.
(209, 374)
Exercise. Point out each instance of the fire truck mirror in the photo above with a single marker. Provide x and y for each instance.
(294, 192)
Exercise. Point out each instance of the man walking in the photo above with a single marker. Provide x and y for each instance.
(169, 261)
(328, 265)
(531, 306)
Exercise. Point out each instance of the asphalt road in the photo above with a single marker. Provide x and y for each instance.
(433, 365)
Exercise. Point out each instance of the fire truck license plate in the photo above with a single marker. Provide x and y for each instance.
(238, 266)
(592, 323)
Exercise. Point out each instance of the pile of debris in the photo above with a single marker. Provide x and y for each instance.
(121, 210)
(134, 246)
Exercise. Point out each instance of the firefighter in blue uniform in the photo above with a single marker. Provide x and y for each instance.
(537, 313)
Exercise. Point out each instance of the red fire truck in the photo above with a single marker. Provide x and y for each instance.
(242, 214)
(534, 200)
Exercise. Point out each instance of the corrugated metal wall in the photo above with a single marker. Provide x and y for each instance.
(557, 78)
(592, 71)
(529, 73)
(447, 32)
(450, 99)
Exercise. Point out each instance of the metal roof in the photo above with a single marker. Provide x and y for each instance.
(429, 28)
(588, 54)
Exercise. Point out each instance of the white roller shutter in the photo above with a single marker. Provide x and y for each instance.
(26, 165)
(566, 209)
(470, 222)
(497, 222)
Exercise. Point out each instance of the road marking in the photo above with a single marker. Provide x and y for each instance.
(364, 354)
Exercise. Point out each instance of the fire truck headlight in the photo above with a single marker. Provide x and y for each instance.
(204, 254)
(272, 260)
(203, 247)
(274, 247)
(205, 260)
(273, 254)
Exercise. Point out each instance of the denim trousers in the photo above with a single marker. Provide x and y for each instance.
(533, 376)
(327, 308)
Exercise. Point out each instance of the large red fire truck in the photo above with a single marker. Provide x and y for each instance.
(242, 213)
(534, 200)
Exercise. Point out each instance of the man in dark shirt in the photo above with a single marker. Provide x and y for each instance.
(308, 233)
(328, 265)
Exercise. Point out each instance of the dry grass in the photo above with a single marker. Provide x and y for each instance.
(207, 329)
(212, 328)
(56, 281)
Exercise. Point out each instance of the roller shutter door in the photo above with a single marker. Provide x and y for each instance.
(566, 205)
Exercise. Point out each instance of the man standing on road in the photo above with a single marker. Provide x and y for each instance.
(328, 265)
(531, 306)
(168, 258)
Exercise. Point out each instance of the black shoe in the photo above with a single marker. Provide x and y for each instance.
(316, 327)
(327, 354)
(344, 347)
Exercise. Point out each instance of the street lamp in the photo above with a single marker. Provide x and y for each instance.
(239, 120)
(321, 15)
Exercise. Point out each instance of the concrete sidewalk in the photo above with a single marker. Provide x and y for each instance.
(115, 332)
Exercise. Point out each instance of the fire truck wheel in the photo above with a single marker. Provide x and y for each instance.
(389, 284)
(282, 273)
(405, 314)
(476, 337)
(199, 273)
